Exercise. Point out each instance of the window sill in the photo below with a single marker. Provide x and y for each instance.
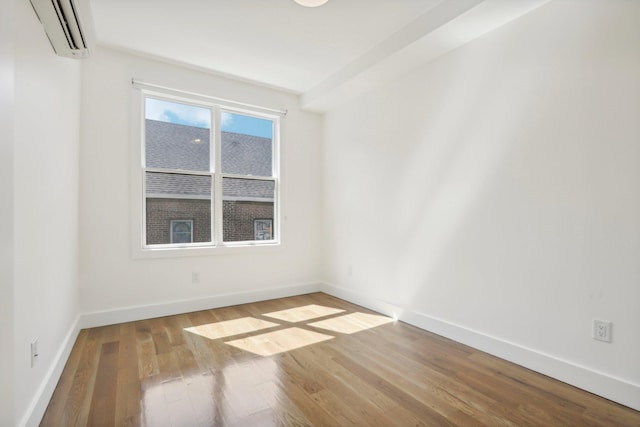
(195, 251)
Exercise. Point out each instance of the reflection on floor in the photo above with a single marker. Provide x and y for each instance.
(229, 328)
(268, 344)
(352, 323)
(279, 341)
(301, 314)
(244, 391)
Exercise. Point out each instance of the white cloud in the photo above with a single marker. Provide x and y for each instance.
(226, 119)
(174, 112)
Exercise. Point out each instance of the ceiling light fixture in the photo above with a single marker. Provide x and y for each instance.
(311, 3)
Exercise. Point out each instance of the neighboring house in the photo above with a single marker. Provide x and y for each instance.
(178, 206)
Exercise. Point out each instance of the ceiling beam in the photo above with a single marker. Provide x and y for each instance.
(438, 31)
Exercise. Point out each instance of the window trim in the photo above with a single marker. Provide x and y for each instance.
(139, 248)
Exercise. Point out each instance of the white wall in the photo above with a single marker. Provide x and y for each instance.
(110, 278)
(498, 188)
(45, 186)
(6, 210)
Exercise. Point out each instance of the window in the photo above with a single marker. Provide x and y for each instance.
(214, 165)
(262, 229)
(181, 231)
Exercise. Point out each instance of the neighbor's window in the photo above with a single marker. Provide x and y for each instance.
(213, 165)
(181, 231)
(262, 229)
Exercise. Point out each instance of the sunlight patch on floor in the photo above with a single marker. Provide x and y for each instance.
(301, 314)
(231, 327)
(271, 343)
(352, 323)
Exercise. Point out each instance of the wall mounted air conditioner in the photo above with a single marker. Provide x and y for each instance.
(68, 24)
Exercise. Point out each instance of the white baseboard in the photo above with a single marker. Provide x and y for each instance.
(601, 384)
(140, 312)
(39, 404)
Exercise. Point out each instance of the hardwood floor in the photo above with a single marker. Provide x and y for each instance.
(310, 360)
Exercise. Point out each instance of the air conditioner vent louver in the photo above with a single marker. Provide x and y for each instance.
(64, 19)
(68, 24)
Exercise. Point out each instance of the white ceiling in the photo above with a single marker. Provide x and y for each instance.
(325, 53)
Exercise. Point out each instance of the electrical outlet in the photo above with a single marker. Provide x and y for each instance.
(195, 277)
(602, 330)
(34, 352)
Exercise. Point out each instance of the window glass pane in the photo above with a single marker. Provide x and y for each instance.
(247, 209)
(178, 208)
(176, 135)
(246, 145)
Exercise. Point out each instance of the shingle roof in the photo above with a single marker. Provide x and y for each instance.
(247, 188)
(175, 146)
(246, 154)
(173, 184)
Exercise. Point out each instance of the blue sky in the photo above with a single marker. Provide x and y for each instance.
(191, 115)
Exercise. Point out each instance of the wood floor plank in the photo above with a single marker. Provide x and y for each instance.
(127, 409)
(415, 364)
(173, 330)
(103, 398)
(394, 392)
(326, 377)
(371, 372)
(368, 399)
(416, 382)
(148, 363)
(78, 401)
(316, 414)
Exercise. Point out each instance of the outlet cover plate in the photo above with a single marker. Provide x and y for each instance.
(601, 330)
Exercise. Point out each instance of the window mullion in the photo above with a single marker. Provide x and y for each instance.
(216, 152)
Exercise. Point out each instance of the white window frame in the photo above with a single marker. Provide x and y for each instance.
(139, 247)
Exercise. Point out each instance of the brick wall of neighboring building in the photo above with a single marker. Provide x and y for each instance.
(238, 218)
(160, 212)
